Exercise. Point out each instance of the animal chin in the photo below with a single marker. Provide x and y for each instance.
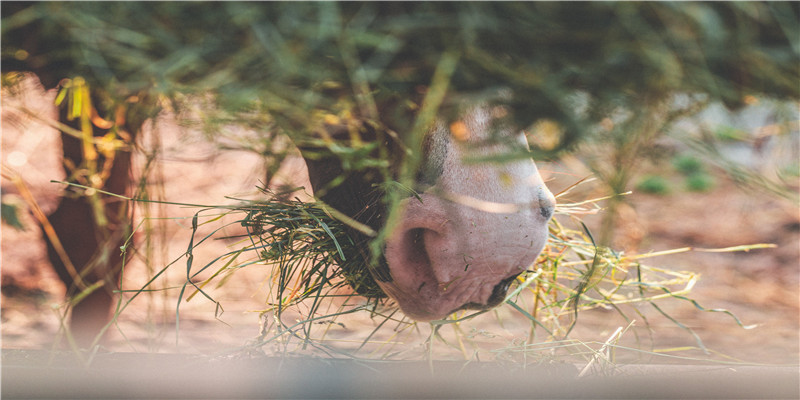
(497, 296)
(469, 294)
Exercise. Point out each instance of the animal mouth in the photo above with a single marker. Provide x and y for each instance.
(499, 291)
(418, 255)
(498, 295)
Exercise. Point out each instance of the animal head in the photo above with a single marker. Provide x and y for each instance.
(468, 232)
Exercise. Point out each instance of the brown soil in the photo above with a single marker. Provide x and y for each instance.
(760, 287)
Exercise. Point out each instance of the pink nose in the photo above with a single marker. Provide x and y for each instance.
(444, 257)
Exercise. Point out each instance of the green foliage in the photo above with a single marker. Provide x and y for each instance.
(289, 60)
(653, 184)
(699, 182)
(387, 69)
(311, 249)
(687, 164)
(696, 177)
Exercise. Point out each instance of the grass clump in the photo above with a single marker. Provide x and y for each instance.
(653, 184)
(697, 179)
(687, 164)
(699, 182)
(310, 248)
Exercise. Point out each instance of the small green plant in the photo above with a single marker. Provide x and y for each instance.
(687, 164)
(699, 182)
(653, 184)
(697, 179)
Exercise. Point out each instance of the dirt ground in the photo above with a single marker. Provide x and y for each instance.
(760, 287)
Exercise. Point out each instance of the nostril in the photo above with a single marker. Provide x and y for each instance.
(417, 253)
(418, 249)
(547, 211)
(410, 261)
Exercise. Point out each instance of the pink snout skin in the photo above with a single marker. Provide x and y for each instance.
(445, 256)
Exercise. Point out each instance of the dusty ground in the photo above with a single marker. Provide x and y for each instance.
(760, 286)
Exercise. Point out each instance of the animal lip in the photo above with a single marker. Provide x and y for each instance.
(498, 295)
(499, 291)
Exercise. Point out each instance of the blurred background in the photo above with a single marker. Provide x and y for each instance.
(690, 107)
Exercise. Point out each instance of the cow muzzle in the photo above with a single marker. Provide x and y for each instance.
(445, 256)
